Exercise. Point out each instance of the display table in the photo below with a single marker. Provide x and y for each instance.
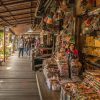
(86, 89)
(37, 60)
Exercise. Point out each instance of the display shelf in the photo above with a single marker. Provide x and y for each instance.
(93, 63)
(91, 47)
(88, 55)
(90, 43)
(92, 80)
(94, 11)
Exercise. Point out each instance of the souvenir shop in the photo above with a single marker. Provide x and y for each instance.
(65, 25)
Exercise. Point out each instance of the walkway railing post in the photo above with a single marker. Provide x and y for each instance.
(4, 45)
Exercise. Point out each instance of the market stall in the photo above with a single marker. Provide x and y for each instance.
(75, 75)
(88, 89)
(89, 34)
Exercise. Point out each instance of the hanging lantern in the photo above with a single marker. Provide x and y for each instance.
(49, 22)
(49, 19)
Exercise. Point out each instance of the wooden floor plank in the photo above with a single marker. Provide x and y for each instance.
(17, 80)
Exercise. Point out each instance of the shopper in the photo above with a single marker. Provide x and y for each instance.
(25, 46)
(21, 46)
(33, 41)
(37, 46)
(37, 43)
(29, 44)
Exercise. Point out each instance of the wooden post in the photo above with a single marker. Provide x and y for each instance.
(4, 46)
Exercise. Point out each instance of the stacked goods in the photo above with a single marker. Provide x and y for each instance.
(50, 68)
(97, 42)
(91, 33)
(92, 79)
(62, 64)
(63, 67)
(75, 67)
(92, 46)
(68, 90)
(56, 70)
(54, 82)
(91, 24)
(51, 73)
(78, 91)
(86, 93)
(90, 41)
(96, 52)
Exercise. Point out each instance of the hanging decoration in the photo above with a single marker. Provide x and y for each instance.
(91, 24)
(64, 6)
(58, 20)
(48, 22)
(83, 6)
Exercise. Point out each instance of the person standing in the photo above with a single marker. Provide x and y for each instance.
(72, 51)
(29, 43)
(37, 43)
(26, 46)
(21, 46)
(33, 41)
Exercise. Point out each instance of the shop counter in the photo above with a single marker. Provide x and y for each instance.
(37, 61)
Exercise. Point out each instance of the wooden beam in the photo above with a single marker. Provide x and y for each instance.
(11, 31)
(5, 21)
(19, 21)
(24, 18)
(39, 6)
(15, 15)
(23, 22)
(28, 20)
(31, 11)
(47, 6)
(38, 1)
(17, 2)
(8, 10)
(19, 9)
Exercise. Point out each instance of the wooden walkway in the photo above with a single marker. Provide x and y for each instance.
(17, 80)
(45, 92)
